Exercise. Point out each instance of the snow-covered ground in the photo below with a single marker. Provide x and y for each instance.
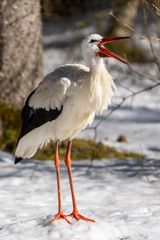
(140, 125)
(121, 195)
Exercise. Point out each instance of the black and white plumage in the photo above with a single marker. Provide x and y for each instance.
(34, 118)
(66, 101)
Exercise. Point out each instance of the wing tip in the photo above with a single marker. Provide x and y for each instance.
(18, 159)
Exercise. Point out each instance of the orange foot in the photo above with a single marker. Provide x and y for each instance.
(59, 216)
(77, 216)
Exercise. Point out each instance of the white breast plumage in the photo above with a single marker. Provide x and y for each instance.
(101, 89)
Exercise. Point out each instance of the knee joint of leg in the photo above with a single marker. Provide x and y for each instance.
(57, 163)
(67, 162)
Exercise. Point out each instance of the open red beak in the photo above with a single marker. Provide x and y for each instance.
(104, 52)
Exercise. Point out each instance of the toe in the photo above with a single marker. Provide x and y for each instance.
(60, 216)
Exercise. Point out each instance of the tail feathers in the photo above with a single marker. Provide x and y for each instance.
(18, 159)
(29, 144)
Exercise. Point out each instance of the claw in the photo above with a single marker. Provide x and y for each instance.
(59, 216)
(77, 216)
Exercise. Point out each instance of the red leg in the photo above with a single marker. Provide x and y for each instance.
(75, 214)
(60, 214)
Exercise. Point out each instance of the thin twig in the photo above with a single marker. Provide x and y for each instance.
(118, 20)
(149, 40)
(123, 100)
(143, 76)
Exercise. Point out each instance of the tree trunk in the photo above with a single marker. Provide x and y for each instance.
(20, 49)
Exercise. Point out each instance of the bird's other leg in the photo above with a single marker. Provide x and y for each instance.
(60, 214)
(75, 214)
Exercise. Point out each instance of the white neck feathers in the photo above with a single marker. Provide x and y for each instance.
(100, 86)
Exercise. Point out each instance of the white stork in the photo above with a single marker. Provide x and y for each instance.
(63, 104)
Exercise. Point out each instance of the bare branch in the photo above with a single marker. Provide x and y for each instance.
(149, 40)
(123, 100)
(155, 4)
(143, 76)
(118, 20)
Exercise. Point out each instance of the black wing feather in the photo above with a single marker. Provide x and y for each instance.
(34, 118)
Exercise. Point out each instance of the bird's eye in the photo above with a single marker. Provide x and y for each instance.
(93, 40)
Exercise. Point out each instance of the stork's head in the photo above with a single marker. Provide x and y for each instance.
(93, 48)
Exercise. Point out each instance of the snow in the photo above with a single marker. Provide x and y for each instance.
(121, 195)
(140, 125)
